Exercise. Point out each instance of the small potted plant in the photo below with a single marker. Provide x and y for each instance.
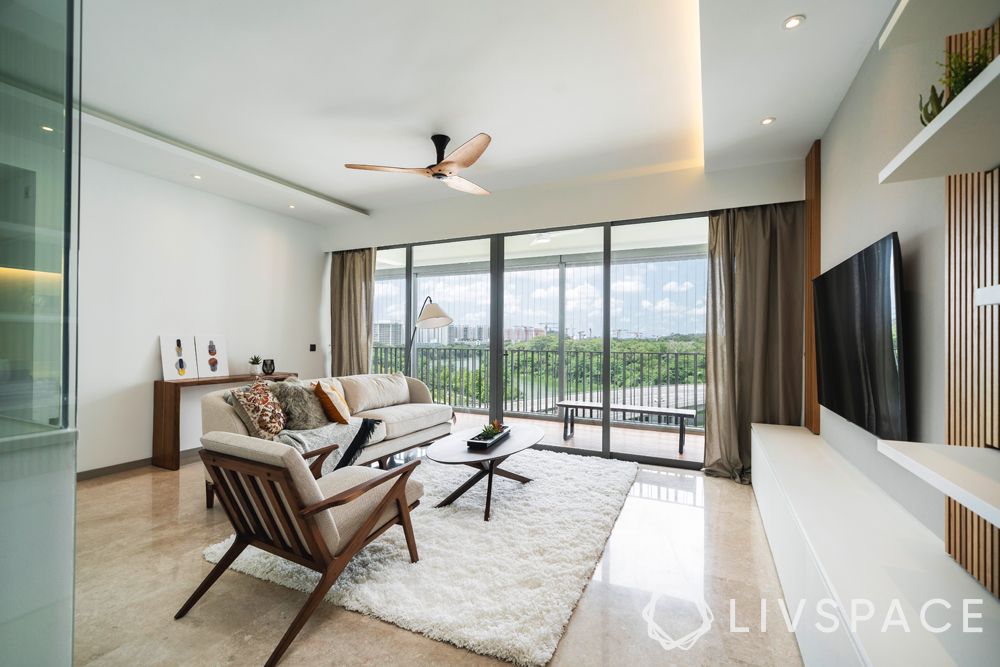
(491, 434)
(255, 365)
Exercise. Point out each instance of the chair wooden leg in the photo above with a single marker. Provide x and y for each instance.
(328, 579)
(216, 572)
(209, 494)
(404, 518)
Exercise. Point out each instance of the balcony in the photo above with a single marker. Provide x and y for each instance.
(459, 376)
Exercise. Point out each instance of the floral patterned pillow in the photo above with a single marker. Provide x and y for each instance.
(259, 410)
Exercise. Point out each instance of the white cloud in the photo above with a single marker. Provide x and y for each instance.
(668, 306)
(627, 286)
(646, 304)
(674, 286)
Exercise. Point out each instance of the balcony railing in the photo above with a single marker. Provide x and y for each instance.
(459, 376)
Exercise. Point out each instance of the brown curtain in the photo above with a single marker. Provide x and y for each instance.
(352, 292)
(754, 329)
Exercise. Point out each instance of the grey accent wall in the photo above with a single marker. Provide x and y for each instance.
(877, 117)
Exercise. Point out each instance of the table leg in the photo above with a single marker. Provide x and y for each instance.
(511, 475)
(472, 481)
(681, 419)
(565, 423)
(489, 490)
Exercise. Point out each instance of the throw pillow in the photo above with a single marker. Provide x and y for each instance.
(259, 410)
(303, 411)
(333, 403)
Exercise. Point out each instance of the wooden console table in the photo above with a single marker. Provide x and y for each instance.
(167, 413)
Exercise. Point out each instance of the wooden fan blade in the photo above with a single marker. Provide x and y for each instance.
(466, 154)
(459, 183)
(420, 171)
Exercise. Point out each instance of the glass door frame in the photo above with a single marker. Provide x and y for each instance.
(496, 379)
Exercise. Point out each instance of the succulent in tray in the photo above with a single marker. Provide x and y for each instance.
(491, 430)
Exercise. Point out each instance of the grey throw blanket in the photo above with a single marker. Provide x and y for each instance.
(331, 434)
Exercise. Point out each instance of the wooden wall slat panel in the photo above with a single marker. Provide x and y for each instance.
(973, 357)
(973, 345)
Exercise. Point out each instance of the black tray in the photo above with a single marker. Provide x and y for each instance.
(486, 444)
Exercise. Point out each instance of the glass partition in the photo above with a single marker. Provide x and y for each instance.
(37, 334)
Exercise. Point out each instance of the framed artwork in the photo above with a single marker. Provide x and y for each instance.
(178, 357)
(213, 355)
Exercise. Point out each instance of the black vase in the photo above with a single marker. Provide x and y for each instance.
(268, 366)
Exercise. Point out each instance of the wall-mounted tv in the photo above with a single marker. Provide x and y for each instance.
(859, 339)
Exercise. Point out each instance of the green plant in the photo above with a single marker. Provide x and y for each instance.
(935, 102)
(255, 360)
(960, 69)
(491, 430)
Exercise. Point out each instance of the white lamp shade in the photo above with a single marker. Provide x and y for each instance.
(432, 317)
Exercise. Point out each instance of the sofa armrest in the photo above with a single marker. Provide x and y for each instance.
(419, 393)
(217, 415)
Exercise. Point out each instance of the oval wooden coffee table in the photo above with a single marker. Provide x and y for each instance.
(453, 450)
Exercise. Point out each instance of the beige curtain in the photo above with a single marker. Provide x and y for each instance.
(352, 292)
(754, 329)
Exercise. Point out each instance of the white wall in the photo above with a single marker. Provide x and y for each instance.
(667, 193)
(156, 257)
(876, 119)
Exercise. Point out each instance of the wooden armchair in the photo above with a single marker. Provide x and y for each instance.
(278, 504)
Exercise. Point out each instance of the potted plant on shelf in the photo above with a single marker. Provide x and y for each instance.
(255, 365)
(960, 69)
(491, 434)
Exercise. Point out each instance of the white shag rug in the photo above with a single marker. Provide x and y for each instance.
(504, 588)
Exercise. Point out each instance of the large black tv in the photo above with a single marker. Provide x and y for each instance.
(859, 339)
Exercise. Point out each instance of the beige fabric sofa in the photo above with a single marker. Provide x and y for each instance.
(404, 405)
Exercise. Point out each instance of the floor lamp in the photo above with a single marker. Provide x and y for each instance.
(431, 316)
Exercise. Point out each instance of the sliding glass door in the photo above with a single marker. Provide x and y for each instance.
(658, 293)
(553, 333)
(453, 359)
(598, 333)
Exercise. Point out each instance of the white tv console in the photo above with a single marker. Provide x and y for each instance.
(837, 536)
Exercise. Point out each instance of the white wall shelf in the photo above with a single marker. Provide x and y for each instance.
(970, 475)
(920, 20)
(986, 296)
(965, 136)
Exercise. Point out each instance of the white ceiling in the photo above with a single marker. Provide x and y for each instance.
(753, 68)
(566, 88)
(570, 90)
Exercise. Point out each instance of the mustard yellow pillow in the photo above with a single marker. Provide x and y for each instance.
(333, 403)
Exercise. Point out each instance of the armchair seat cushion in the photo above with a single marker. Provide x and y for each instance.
(408, 418)
(350, 516)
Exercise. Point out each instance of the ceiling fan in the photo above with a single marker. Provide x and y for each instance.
(446, 169)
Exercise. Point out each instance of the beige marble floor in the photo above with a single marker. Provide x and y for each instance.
(680, 535)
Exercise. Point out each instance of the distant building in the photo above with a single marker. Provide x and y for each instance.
(521, 334)
(388, 333)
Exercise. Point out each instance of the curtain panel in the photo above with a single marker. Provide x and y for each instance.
(352, 293)
(754, 341)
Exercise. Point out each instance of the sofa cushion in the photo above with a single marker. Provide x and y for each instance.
(259, 410)
(301, 407)
(401, 420)
(367, 392)
(332, 402)
(349, 516)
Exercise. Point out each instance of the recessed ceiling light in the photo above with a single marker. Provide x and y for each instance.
(291, 206)
(196, 177)
(46, 128)
(767, 121)
(793, 22)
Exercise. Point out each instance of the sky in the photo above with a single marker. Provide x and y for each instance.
(648, 299)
